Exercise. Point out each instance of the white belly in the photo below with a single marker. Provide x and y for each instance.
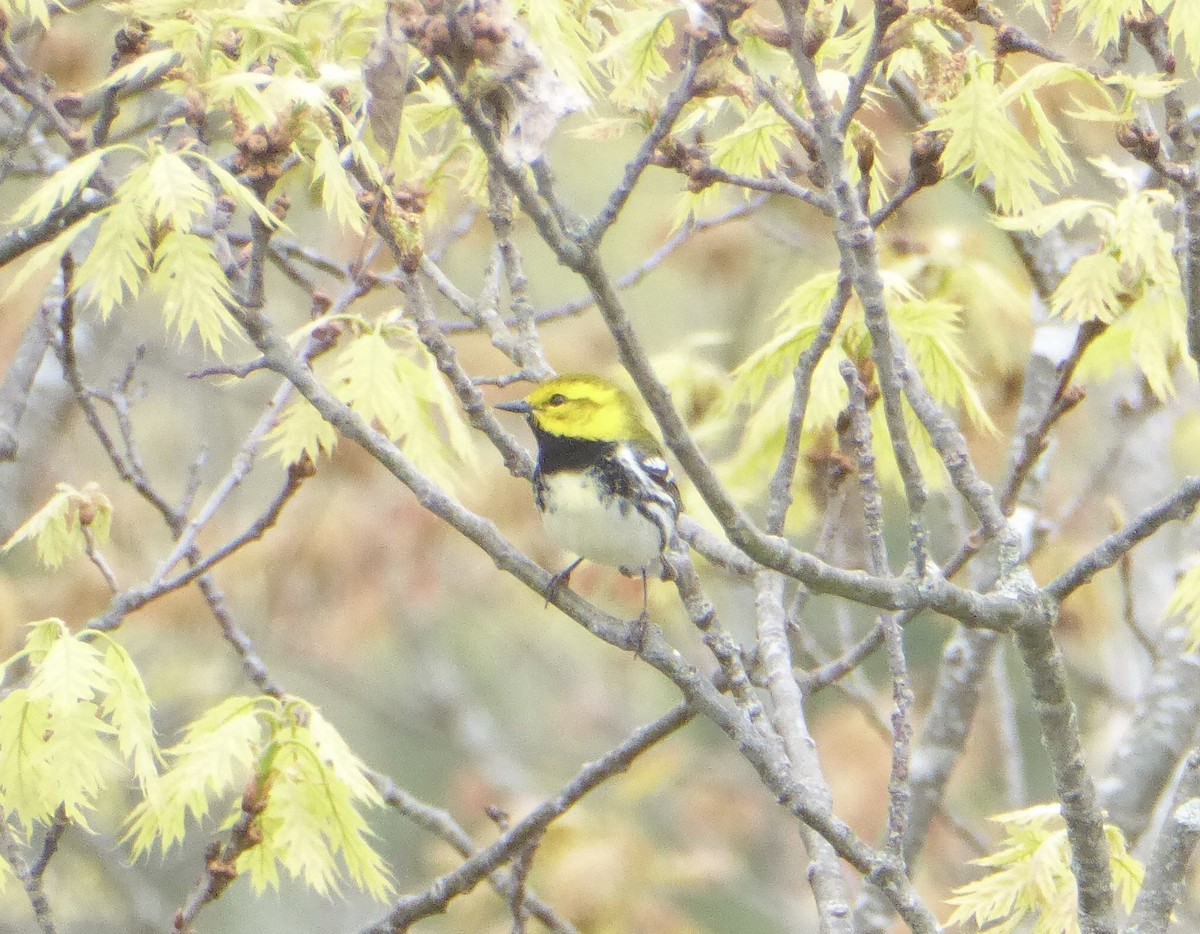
(579, 522)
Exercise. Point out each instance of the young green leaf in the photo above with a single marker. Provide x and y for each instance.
(337, 191)
(57, 528)
(310, 819)
(193, 286)
(1031, 879)
(170, 191)
(216, 755)
(126, 705)
(55, 746)
(983, 141)
(301, 431)
(112, 272)
(60, 189)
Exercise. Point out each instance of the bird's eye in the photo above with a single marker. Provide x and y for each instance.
(557, 399)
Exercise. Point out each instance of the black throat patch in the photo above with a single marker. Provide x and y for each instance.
(556, 452)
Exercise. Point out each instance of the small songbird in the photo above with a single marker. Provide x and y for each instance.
(602, 485)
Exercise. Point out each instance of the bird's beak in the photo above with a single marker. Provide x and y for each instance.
(521, 407)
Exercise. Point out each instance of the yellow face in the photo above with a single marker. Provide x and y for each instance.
(586, 407)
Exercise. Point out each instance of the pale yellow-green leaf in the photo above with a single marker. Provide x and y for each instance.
(50, 757)
(388, 377)
(1091, 289)
(300, 432)
(366, 379)
(362, 156)
(1158, 339)
(193, 287)
(983, 142)
(931, 331)
(755, 146)
(845, 49)
(310, 824)
(338, 756)
(1102, 18)
(170, 191)
(1137, 237)
(1183, 23)
(43, 634)
(142, 67)
(244, 92)
(799, 318)
(56, 527)
(47, 257)
(243, 196)
(25, 786)
(1031, 878)
(126, 705)
(1146, 87)
(634, 52)
(1128, 871)
(1185, 602)
(215, 756)
(1043, 219)
(60, 189)
(119, 258)
(337, 192)
(72, 670)
(25, 10)
(1042, 75)
(1048, 138)
(560, 32)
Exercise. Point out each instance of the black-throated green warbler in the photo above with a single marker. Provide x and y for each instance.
(602, 485)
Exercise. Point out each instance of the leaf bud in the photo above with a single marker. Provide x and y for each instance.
(69, 105)
(925, 160)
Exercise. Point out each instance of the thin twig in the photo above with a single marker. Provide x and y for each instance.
(1166, 870)
(1176, 507)
(97, 558)
(435, 898)
(899, 790)
(32, 883)
(779, 491)
(667, 115)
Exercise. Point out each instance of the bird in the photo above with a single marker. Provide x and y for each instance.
(602, 484)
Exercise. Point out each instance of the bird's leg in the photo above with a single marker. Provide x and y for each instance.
(560, 580)
(638, 630)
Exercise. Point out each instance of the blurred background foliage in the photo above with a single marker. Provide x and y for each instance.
(455, 679)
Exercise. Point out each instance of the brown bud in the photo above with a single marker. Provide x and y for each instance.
(69, 105)
(301, 470)
(435, 37)
(257, 143)
(1128, 137)
(814, 38)
(281, 205)
(924, 161)
(1151, 144)
(965, 8)
(322, 301)
(888, 11)
(77, 140)
(864, 146)
(340, 96)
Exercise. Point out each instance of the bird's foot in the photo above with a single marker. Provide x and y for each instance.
(638, 630)
(560, 580)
